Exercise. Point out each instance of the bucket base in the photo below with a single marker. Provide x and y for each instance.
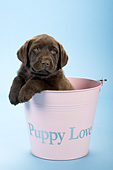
(65, 159)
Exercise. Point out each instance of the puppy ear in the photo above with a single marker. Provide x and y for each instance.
(63, 57)
(23, 53)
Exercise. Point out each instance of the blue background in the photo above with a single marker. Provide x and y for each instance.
(85, 28)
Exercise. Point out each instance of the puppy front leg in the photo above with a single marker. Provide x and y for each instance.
(18, 82)
(32, 86)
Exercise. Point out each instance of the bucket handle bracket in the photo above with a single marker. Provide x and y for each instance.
(102, 80)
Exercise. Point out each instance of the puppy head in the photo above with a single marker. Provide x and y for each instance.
(43, 55)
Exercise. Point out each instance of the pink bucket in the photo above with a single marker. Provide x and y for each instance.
(60, 122)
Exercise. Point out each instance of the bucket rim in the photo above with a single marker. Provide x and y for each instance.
(75, 91)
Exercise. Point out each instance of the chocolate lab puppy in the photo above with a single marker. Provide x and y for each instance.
(42, 60)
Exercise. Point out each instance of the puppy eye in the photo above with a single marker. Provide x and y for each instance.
(36, 49)
(53, 51)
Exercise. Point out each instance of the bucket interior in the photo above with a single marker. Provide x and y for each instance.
(83, 83)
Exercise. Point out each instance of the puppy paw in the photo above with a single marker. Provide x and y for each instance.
(25, 95)
(13, 97)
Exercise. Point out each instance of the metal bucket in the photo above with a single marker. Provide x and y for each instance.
(60, 122)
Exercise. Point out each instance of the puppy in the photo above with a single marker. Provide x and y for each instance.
(42, 60)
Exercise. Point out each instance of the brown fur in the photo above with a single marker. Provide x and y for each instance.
(42, 60)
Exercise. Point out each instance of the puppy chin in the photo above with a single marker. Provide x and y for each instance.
(44, 73)
(41, 73)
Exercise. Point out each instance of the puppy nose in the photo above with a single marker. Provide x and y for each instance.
(45, 63)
